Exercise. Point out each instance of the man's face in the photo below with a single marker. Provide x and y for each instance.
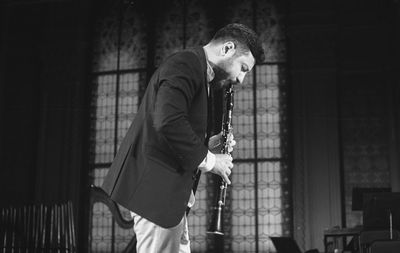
(233, 68)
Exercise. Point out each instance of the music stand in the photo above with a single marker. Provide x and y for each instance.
(285, 245)
(358, 193)
(382, 211)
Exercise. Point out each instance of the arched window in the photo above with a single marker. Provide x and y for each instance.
(128, 45)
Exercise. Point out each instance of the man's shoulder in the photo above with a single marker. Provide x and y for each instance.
(188, 61)
(190, 55)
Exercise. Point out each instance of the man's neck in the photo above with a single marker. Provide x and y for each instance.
(210, 71)
(211, 54)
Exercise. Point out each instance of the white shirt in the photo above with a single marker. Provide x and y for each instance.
(209, 161)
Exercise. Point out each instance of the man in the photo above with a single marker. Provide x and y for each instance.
(154, 170)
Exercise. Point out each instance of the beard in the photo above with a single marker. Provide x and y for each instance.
(218, 85)
(221, 78)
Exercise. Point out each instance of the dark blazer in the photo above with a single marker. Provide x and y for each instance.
(153, 171)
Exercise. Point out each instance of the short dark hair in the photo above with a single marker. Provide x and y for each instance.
(244, 37)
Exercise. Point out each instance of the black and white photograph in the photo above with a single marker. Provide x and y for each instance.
(199, 126)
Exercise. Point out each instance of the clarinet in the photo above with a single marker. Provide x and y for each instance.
(216, 226)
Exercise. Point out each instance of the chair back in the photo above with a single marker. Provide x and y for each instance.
(38, 228)
(112, 212)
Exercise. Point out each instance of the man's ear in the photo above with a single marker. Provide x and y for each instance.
(228, 49)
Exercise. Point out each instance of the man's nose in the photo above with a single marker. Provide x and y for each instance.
(240, 78)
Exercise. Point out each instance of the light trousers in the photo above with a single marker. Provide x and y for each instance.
(152, 238)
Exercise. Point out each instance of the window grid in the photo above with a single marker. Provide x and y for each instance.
(260, 170)
(259, 124)
(242, 195)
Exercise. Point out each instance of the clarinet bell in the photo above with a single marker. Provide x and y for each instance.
(216, 226)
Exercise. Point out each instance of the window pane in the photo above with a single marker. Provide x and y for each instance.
(270, 198)
(101, 228)
(268, 97)
(128, 101)
(243, 208)
(99, 174)
(273, 202)
(243, 119)
(104, 118)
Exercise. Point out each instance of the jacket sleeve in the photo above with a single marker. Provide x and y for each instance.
(180, 81)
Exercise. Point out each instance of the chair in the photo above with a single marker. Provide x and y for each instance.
(99, 195)
(385, 247)
(368, 237)
(38, 228)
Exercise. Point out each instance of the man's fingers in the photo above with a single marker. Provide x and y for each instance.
(226, 173)
(229, 164)
(223, 166)
(226, 179)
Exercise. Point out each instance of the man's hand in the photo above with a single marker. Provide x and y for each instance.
(215, 143)
(223, 166)
(231, 142)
